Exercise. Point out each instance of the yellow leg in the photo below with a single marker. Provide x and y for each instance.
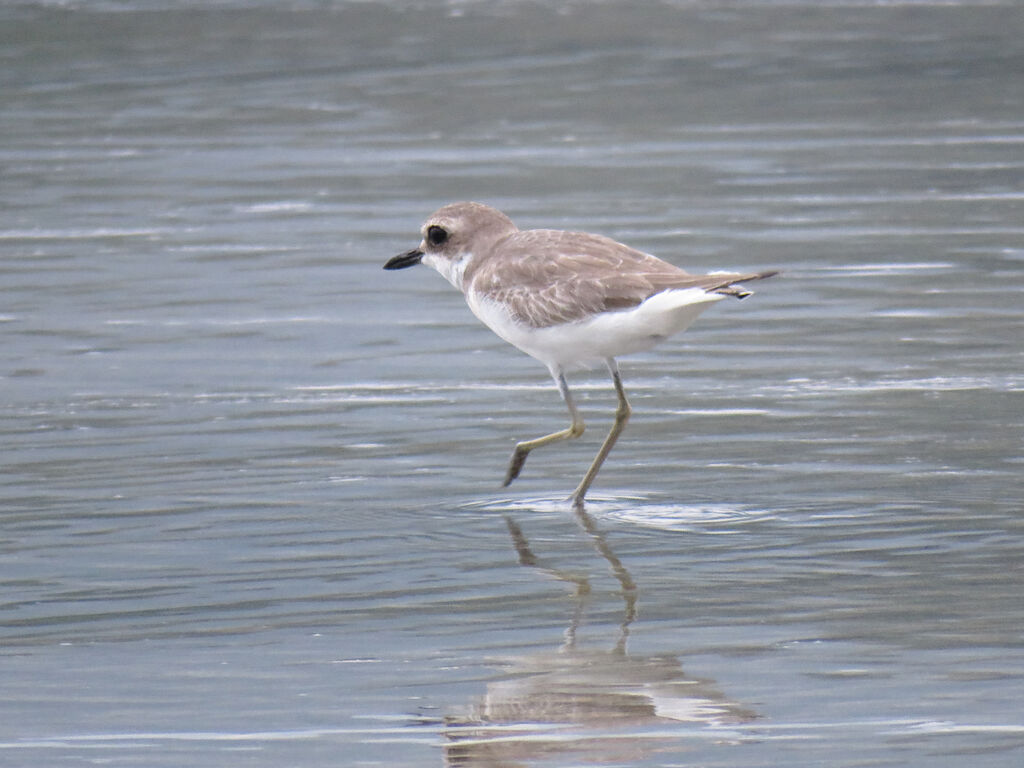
(575, 429)
(622, 413)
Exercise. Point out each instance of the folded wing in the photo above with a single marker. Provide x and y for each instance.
(551, 278)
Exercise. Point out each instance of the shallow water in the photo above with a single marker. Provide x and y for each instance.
(250, 496)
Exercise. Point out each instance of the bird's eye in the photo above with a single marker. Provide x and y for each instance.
(436, 235)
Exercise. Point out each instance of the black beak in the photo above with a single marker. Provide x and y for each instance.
(403, 260)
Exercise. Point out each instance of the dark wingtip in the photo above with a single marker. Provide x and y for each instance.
(729, 288)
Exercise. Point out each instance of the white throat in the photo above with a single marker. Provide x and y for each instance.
(451, 269)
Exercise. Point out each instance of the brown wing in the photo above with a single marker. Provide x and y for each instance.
(548, 277)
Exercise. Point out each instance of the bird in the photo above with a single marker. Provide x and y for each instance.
(567, 299)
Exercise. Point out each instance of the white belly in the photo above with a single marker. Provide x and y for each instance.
(603, 336)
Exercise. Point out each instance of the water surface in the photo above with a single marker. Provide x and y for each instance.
(250, 509)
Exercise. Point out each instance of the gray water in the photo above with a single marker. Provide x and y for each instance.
(250, 502)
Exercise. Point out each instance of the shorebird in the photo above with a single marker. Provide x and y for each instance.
(565, 298)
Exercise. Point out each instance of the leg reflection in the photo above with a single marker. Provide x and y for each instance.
(581, 584)
(629, 589)
(596, 704)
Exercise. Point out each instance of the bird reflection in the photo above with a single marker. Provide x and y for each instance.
(601, 705)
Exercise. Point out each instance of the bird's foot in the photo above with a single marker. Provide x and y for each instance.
(515, 465)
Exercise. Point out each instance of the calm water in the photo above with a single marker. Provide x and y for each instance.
(250, 510)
